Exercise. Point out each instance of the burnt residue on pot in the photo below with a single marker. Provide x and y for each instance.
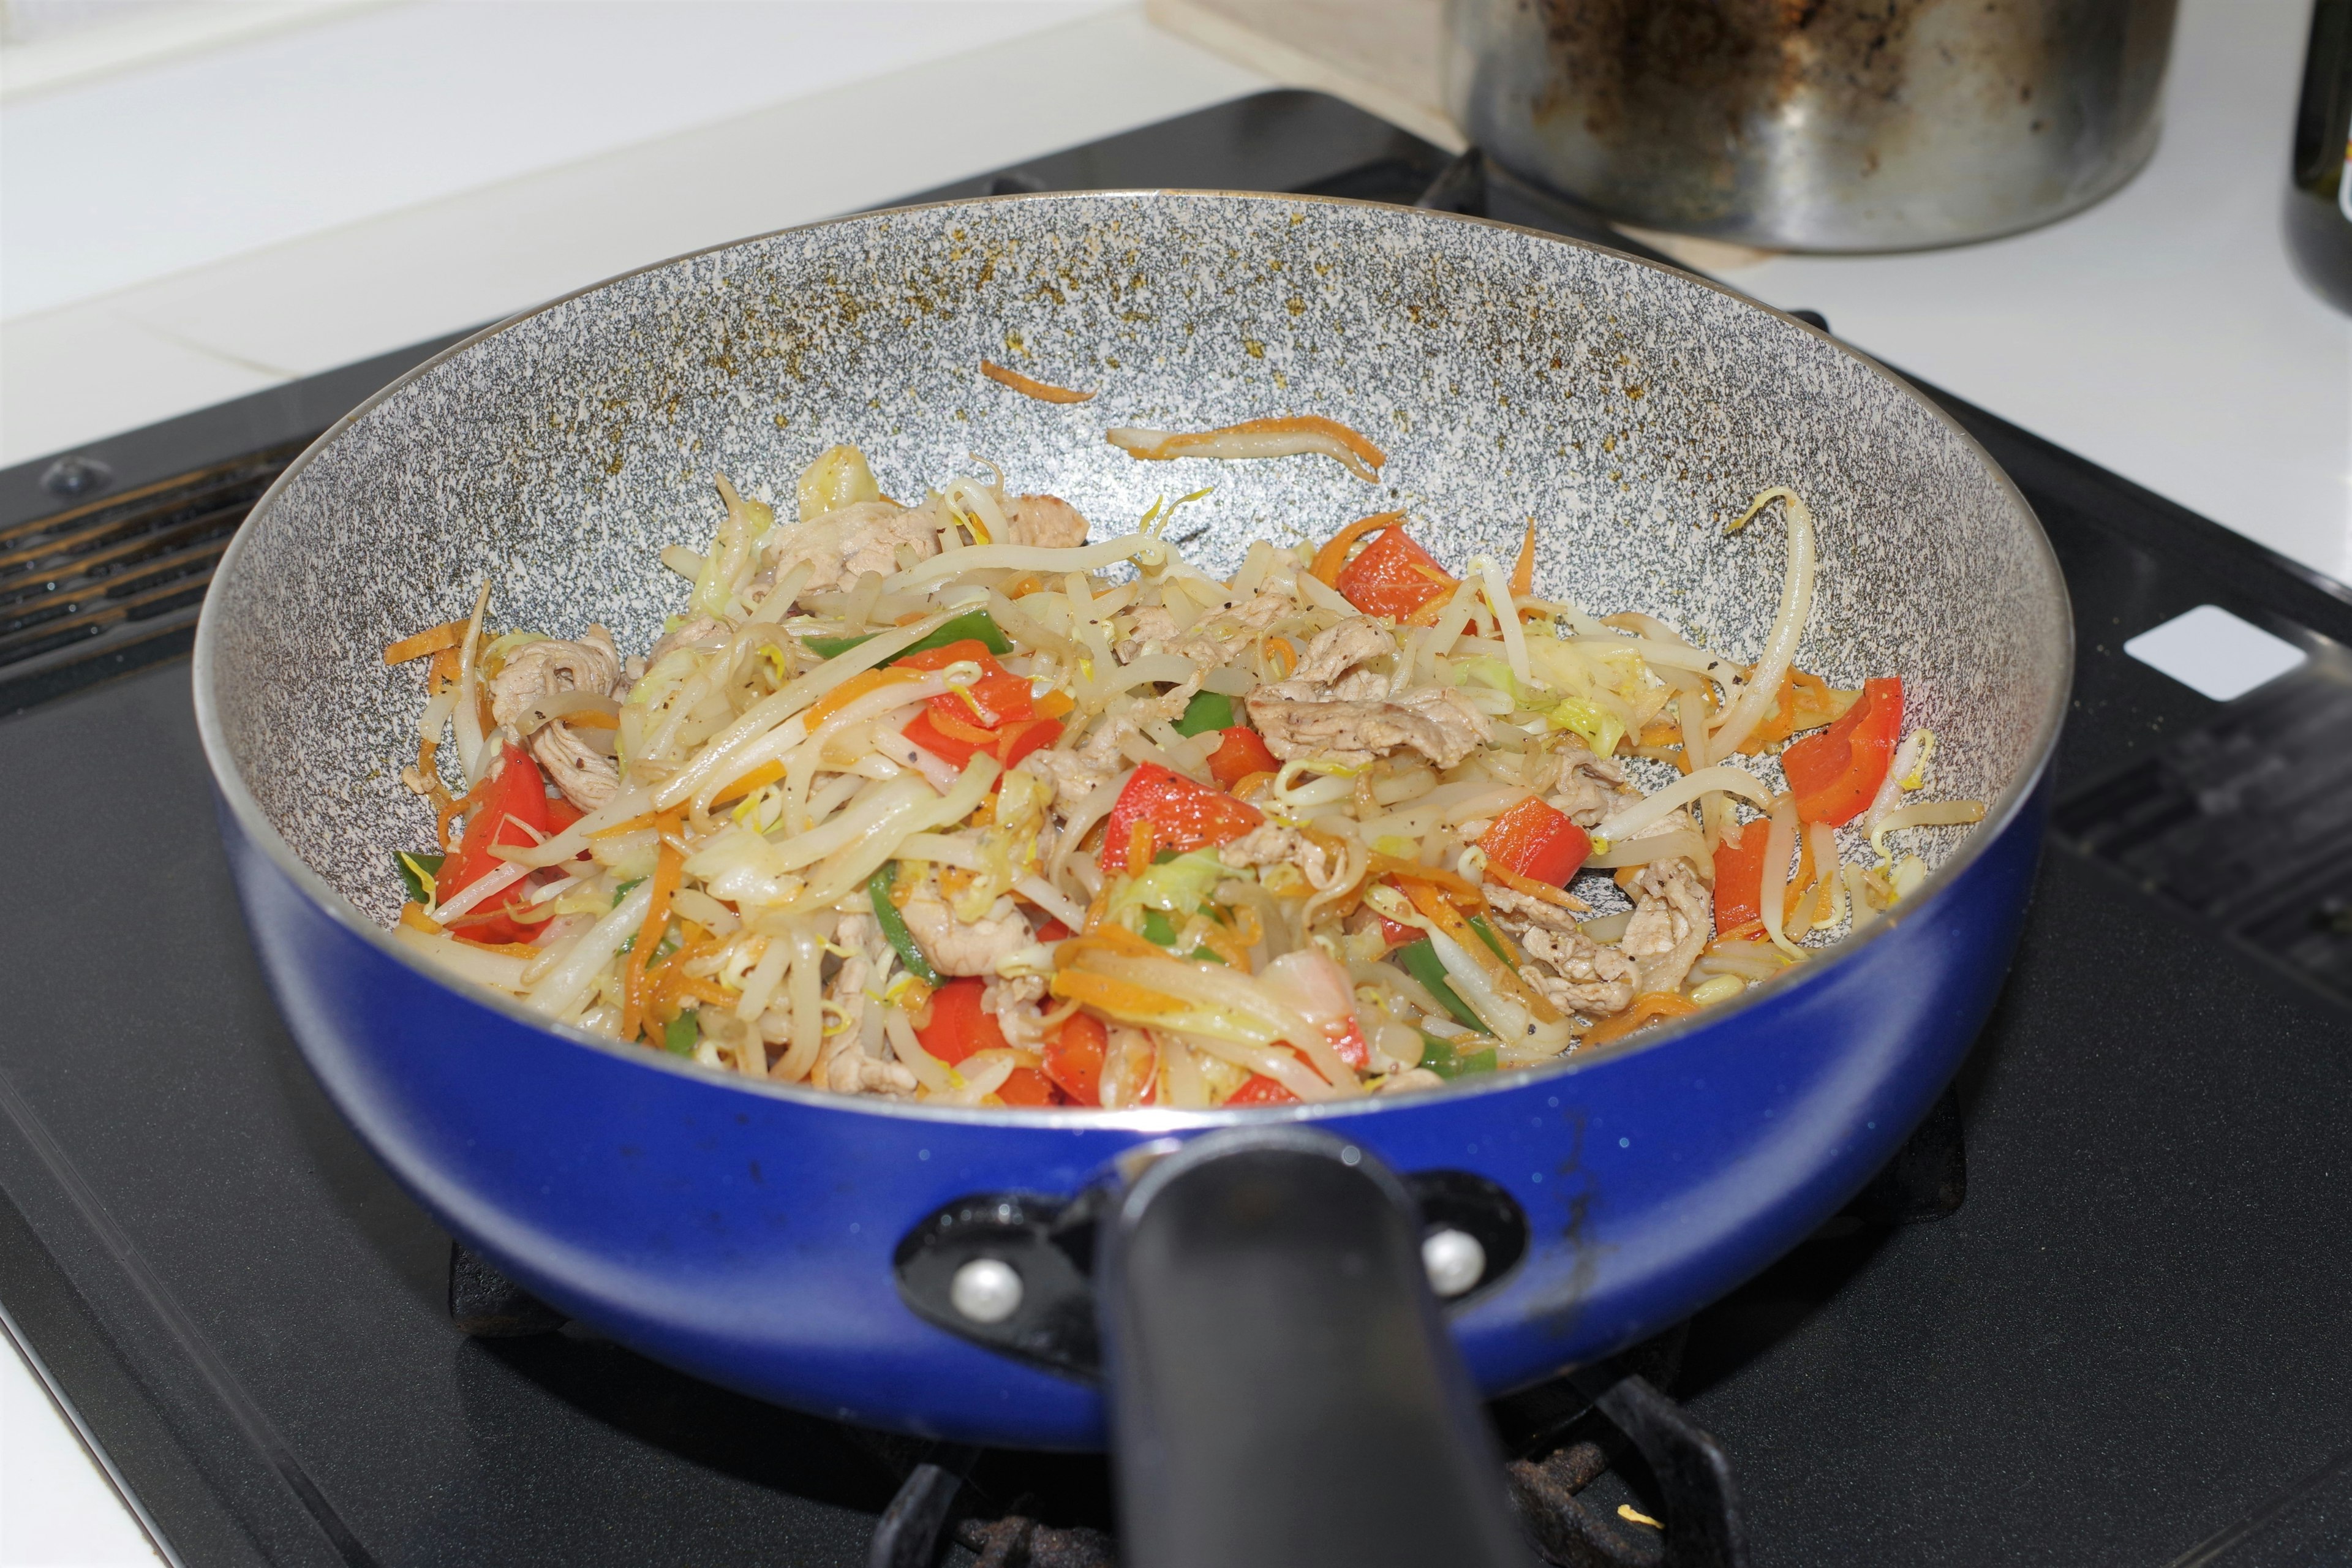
(1831, 124)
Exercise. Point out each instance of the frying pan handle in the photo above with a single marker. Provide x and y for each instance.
(1282, 1391)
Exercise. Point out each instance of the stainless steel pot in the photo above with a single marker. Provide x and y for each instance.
(1815, 124)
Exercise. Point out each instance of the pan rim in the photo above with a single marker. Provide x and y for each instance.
(2000, 818)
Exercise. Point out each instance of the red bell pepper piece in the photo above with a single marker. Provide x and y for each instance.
(1007, 745)
(1240, 753)
(1739, 875)
(959, 1024)
(1392, 577)
(1834, 774)
(1261, 1090)
(1028, 1086)
(1000, 695)
(514, 810)
(1538, 841)
(1074, 1057)
(1397, 935)
(1006, 725)
(1183, 816)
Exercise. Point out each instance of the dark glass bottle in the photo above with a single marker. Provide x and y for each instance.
(2319, 204)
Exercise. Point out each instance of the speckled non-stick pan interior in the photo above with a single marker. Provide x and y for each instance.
(1632, 412)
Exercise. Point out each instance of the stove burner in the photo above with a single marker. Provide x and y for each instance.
(1571, 1432)
(1686, 1467)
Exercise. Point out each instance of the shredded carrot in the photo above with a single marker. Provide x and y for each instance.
(1805, 702)
(1022, 586)
(1648, 1008)
(412, 916)
(1746, 930)
(709, 991)
(1055, 704)
(1369, 456)
(667, 980)
(442, 673)
(438, 639)
(1289, 652)
(1523, 575)
(1120, 998)
(1426, 616)
(1231, 944)
(591, 719)
(850, 691)
(759, 777)
(668, 865)
(1140, 838)
(953, 727)
(444, 812)
(627, 825)
(445, 804)
(1043, 390)
(1334, 555)
(1250, 785)
(1559, 897)
(512, 949)
(1455, 887)
(1110, 936)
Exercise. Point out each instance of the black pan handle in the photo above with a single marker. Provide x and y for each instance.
(1283, 1394)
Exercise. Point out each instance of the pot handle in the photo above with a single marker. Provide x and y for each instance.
(1283, 1393)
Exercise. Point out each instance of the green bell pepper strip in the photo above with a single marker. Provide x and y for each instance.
(1420, 961)
(1447, 1058)
(894, 925)
(1486, 935)
(1208, 710)
(972, 625)
(417, 873)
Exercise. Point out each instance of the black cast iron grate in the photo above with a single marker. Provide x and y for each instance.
(116, 583)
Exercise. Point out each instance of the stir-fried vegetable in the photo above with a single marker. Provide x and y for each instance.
(511, 810)
(1537, 841)
(1239, 754)
(1834, 774)
(1393, 577)
(972, 625)
(1163, 810)
(988, 709)
(894, 925)
(951, 802)
(1207, 710)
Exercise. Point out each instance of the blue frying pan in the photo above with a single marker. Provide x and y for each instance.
(850, 1258)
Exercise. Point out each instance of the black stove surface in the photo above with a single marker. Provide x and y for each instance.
(2129, 1345)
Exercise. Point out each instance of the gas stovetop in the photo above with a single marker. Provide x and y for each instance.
(2113, 1332)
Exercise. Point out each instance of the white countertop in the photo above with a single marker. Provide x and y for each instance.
(272, 190)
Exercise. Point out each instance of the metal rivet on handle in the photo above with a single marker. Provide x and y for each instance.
(987, 1290)
(1455, 1258)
